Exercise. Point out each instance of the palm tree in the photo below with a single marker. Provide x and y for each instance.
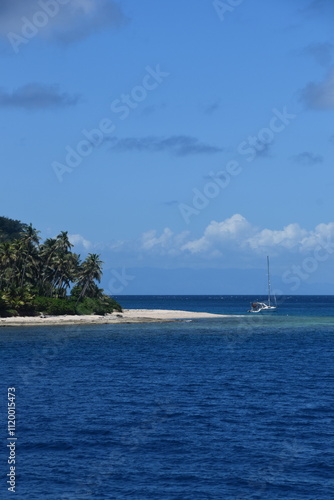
(9, 259)
(58, 265)
(63, 243)
(89, 272)
(28, 245)
(6, 261)
(65, 272)
(48, 252)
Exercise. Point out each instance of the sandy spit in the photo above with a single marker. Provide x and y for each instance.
(127, 316)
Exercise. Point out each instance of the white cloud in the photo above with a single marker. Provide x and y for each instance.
(322, 235)
(219, 235)
(150, 239)
(78, 240)
(290, 237)
(167, 243)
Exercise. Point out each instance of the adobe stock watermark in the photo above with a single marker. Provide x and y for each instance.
(30, 27)
(225, 7)
(122, 107)
(297, 274)
(251, 147)
(119, 281)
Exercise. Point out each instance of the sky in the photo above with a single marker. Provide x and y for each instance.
(183, 141)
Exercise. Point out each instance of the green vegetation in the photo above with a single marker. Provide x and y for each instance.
(10, 229)
(47, 277)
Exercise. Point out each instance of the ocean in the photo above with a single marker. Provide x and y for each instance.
(226, 408)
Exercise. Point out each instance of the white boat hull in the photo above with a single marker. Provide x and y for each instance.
(257, 307)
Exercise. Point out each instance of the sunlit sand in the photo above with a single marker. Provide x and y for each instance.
(127, 316)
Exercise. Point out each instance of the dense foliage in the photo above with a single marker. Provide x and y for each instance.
(47, 277)
(10, 229)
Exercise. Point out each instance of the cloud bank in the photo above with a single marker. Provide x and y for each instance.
(308, 159)
(321, 6)
(176, 145)
(61, 20)
(321, 52)
(320, 95)
(233, 241)
(37, 96)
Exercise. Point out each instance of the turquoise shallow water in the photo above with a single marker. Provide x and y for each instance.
(236, 408)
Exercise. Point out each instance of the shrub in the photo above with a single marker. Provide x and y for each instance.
(48, 305)
(100, 306)
(11, 313)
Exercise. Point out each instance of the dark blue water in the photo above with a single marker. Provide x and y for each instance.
(238, 408)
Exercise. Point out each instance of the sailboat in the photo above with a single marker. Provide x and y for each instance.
(257, 307)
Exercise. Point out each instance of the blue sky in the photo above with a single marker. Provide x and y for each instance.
(183, 141)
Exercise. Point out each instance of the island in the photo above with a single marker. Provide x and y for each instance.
(45, 283)
(47, 278)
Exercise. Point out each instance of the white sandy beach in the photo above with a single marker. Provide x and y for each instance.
(127, 316)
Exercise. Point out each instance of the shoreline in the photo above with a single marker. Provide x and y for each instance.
(127, 316)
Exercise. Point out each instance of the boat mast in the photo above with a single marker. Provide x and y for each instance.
(268, 280)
